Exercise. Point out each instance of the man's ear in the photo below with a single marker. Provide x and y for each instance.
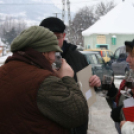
(64, 34)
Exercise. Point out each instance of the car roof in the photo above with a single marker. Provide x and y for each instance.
(97, 50)
(88, 52)
(121, 47)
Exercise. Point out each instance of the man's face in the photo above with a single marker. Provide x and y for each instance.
(50, 56)
(60, 38)
(130, 60)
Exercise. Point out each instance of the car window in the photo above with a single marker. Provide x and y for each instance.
(98, 52)
(117, 53)
(88, 59)
(123, 50)
(109, 54)
(103, 54)
(100, 60)
(93, 59)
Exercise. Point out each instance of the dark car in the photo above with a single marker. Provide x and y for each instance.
(119, 64)
(99, 67)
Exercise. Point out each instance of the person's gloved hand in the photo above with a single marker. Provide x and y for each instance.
(115, 114)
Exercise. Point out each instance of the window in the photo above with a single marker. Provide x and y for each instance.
(93, 59)
(101, 39)
(123, 50)
(117, 53)
(113, 40)
(100, 60)
(103, 54)
(109, 54)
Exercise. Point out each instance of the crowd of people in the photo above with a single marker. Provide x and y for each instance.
(35, 98)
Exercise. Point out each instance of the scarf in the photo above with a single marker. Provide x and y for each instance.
(122, 87)
(32, 57)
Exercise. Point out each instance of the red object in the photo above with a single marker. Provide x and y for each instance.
(101, 53)
(129, 113)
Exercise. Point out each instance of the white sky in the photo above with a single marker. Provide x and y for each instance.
(77, 4)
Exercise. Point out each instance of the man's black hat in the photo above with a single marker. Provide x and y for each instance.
(129, 43)
(130, 46)
(53, 24)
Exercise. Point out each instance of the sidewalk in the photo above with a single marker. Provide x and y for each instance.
(100, 121)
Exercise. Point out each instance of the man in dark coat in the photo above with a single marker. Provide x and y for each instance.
(73, 57)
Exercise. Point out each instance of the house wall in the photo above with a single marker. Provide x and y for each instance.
(91, 41)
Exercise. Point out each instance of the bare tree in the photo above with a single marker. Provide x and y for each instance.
(10, 28)
(84, 18)
(102, 8)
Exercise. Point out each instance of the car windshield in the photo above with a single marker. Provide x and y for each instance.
(110, 54)
(100, 60)
(95, 59)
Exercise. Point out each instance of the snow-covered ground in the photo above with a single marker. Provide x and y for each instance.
(3, 58)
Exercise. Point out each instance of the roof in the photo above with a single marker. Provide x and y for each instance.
(119, 20)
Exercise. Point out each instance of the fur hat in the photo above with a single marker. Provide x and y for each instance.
(38, 38)
(129, 46)
(53, 24)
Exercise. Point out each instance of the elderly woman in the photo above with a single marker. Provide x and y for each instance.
(35, 99)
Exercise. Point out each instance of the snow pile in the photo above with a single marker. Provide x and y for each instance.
(3, 58)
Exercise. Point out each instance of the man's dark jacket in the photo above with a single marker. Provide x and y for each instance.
(73, 57)
(77, 61)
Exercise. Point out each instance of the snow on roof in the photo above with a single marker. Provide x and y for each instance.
(120, 20)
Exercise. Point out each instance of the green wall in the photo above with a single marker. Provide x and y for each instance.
(120, 39)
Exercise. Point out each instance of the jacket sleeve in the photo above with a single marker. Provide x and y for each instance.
(112, 92)
(62, 101)
(128, 128)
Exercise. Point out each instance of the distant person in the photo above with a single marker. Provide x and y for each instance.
(123, 127)
(127, 127)
(73, 57)
(34, 98)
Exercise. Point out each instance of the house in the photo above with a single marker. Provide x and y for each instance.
(2, 48)
(111, 30)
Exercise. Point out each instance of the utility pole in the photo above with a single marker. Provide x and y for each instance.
(56, 14)
(63, 10)
(69, 19)
(63, 14)
(68, 7)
